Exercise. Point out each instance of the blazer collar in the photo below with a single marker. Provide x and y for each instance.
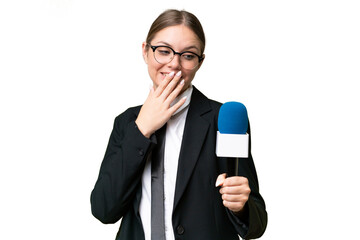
(195, 131)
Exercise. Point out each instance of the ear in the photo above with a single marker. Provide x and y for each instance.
(145, 52)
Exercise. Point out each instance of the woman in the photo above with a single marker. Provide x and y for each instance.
(160, 173)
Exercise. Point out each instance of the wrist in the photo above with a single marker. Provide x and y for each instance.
(143, 130)
(243, 213)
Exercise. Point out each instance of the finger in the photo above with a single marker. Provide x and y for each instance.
(220, 180)
(236, 190)
(230, 190)
(234, 206)
(171, 85)
(237, 180)
(177, 105)
(235, 197)
(175, 92)
(164, 83)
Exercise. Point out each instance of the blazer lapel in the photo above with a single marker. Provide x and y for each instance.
(195, 131)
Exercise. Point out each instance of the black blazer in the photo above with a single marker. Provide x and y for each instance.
(198, 212)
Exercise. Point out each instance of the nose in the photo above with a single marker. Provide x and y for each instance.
(175, 62)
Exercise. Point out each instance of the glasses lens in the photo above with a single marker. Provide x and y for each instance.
(189, 60)
(164, 55)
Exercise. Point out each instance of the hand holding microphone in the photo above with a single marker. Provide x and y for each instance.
(235, 191)
(233, 142)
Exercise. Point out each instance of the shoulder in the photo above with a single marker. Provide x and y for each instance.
(128, 115)
(199, 97)
(215, 104)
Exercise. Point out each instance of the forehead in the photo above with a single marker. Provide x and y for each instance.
(179, 36)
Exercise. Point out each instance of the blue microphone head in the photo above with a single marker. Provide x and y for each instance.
(233, 118)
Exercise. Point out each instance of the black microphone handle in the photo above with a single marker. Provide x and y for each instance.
(237, 166)
(232, 167)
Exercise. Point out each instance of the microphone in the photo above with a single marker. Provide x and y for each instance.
(232, 140)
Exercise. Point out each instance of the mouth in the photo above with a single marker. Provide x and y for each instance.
(165, 73)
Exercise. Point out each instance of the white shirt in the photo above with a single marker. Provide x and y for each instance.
(173, 138)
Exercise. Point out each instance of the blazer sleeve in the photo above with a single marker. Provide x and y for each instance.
(121, 170)
(253, 220)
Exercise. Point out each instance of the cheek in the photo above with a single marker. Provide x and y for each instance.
(154, 72)
(189, 76)
(152, 66)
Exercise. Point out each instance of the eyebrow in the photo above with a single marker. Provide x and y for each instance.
(185, 49)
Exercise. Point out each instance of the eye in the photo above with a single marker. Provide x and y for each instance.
(163, 51)
(189, 56)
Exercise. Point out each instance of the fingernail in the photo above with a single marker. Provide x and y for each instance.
(220, 181)
(182, 82)
(217, 183)
(171, 74)
(178, 74)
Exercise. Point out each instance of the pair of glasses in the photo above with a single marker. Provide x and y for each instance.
(165, 54)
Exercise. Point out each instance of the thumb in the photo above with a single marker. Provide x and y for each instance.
(151, 88)
(220, 180)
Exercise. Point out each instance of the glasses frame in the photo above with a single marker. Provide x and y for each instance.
(200, 58)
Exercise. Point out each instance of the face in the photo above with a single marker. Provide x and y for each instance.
(180, 38)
